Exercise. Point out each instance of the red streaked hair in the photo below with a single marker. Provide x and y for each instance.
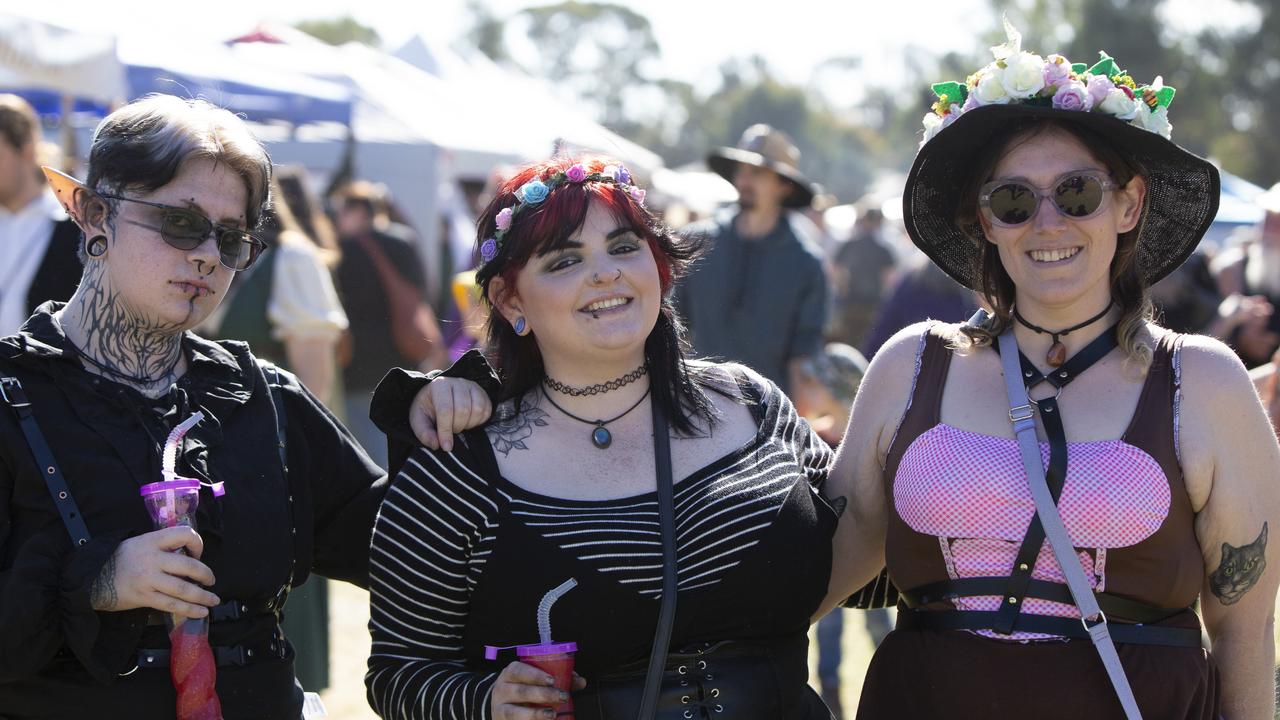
(548, 226)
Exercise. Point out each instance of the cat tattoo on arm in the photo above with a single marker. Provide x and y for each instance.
(1240, 570)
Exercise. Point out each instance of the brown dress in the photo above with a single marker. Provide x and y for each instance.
(958, 506)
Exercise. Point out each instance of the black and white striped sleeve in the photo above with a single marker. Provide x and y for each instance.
(811, 452)
(429, 544)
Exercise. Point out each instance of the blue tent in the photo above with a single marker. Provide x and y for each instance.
(1237, 208)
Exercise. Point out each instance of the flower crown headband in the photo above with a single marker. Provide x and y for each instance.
(1020, 77)
(532, 193)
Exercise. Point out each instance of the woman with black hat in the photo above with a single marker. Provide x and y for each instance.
(1053, 189)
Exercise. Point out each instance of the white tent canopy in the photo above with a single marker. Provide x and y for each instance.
(39, 56)
(512, 113)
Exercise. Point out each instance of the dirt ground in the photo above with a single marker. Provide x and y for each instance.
(348, 624)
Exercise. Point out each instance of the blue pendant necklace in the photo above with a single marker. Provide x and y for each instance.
(600, 436)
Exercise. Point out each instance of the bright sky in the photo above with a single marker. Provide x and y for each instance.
(695, 36)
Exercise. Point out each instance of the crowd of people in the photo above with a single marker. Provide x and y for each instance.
(1028, 412)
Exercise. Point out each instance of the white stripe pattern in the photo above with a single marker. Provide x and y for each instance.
(439, 522)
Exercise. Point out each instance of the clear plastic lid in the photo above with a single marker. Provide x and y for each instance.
(176, 484)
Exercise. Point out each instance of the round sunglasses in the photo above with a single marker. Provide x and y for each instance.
(184, 229)
(1077, 195)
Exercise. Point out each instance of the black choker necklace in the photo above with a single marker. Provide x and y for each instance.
(600, 437)
(598, 388)
(1057, 351)
(133, 379)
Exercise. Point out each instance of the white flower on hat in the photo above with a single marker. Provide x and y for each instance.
(990, 90)
(1156, 121)
(1118, 103)
(1023, 75)
(934, 124)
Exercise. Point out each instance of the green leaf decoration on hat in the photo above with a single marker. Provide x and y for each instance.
(1079, 68)
(1106, 66)
(1165, 96)
(954, 92)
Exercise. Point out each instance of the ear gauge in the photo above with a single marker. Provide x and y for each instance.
(520, 325)
(96, 246)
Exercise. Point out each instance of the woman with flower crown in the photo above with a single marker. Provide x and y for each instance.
(565, 484)
(1053, 189)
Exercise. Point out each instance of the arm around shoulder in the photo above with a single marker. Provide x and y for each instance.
(434, 517)
(859, 467)
(1231, 462)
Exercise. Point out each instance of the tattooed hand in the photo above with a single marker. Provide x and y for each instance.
(447, 406)
(1240, 569)
(145, 571)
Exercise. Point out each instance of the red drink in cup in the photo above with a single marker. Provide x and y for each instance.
(191, 666)
(556, 659)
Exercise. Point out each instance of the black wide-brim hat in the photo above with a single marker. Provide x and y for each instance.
(1182, 189)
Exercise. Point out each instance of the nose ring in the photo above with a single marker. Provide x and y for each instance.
(595, 278)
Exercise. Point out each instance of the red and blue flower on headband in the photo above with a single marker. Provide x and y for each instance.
(535, 191)
(1018, 76)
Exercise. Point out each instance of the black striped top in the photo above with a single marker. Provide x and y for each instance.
(437, 530)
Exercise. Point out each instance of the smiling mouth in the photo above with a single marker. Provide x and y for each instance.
(1049, 256)
(193, 289)
(600, 306)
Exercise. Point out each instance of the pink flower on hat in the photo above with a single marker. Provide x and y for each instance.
(637, 194)
(1099, 86)
(1057, 71)
(503, 219)
(576, 173)
(1073, 95)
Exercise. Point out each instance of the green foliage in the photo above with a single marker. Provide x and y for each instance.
(1226, 79)
(337, 31)
(599, 48)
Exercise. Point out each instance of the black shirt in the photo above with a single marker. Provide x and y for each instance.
(61, 659)
(365, 302)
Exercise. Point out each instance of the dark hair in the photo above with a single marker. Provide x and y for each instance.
(1128, 288)
(677, 387)
(144, 144)
(19, 125)
(292, 194)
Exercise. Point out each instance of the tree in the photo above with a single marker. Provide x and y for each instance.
(337, 31)
(599, 49)
(487, 32)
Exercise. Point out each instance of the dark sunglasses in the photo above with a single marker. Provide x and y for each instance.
(185, 229)
(1076, 195)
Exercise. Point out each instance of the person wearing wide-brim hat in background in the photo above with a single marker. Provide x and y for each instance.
(759, 297)
(1053, 188)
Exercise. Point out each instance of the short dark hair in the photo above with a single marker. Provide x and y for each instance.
(19, 124)
(144, 144)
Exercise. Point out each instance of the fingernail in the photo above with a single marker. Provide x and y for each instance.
(549, 714)
(564, 698)
(548, 680)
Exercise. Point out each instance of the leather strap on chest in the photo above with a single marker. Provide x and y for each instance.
(1055, 474)
(16, 398)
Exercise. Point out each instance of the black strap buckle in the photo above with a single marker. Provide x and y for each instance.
(12, 393)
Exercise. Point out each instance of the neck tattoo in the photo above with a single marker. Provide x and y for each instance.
(1057, 351)
(600, 436)
(598, 388)
(119, 343)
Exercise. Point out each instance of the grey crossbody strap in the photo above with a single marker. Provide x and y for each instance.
(1022, 415)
